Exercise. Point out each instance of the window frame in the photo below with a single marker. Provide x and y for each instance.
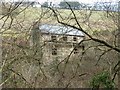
(65, 38)
(75, 38)
(76, 50)
(53, 38)
(54, 50)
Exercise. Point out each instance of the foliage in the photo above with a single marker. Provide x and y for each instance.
(45, 4)
(102, 80)
(74, 5)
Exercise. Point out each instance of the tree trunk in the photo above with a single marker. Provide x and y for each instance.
(118, 41)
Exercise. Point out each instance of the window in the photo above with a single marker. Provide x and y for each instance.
(54, 51)
(53, 38)
(64, 38)
(74, 38)
(83, 47)
(75, 50)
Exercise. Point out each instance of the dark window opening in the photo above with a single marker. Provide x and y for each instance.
(54, 51)
(75, 50)
(83, 47)
(53, 38)
(64, 38)
(74, 38)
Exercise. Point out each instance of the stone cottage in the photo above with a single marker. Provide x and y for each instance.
(57, 41)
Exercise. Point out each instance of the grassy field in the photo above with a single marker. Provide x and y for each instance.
(89, 20)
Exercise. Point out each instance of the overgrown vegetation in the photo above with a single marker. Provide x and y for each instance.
(24, 65)
(102, 80)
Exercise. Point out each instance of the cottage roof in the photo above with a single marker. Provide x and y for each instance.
(59, 29)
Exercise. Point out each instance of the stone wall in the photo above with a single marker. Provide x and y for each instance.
(64, 48)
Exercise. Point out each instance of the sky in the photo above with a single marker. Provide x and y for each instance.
(83, 1)
(57, 1)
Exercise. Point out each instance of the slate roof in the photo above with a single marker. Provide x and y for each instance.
(59, 29)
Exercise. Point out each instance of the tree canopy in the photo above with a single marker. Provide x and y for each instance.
(45, 4)
(73, 4)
